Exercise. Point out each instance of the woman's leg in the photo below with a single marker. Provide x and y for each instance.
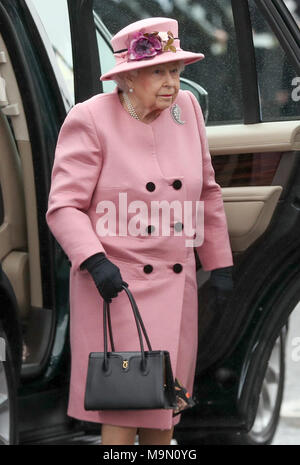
(111, 434)
(151, 436)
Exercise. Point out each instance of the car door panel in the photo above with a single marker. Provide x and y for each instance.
(249, 211)
(249, 204)
(264, 137)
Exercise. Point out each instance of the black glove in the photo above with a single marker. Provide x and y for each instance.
(105, 274)
(221, 286)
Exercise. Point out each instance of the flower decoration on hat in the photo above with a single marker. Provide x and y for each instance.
(147, 45)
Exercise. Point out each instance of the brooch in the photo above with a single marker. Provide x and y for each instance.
(175, 112)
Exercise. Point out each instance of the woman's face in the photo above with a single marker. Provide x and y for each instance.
(155, 87)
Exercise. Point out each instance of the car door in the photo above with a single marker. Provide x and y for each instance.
(33, 310)
(253, 126)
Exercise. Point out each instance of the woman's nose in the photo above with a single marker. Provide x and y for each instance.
(170, 79)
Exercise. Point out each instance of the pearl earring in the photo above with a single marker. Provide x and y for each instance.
(130, 90)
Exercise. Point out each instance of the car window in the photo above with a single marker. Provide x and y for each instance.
(205, 27)
(55, 19)
(278, 81)
(107, 61)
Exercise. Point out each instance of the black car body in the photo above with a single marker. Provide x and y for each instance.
(249, 92)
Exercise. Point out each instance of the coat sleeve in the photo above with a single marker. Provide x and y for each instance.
(215, 251)
(76, 169)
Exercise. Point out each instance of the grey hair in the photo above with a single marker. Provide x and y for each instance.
(120, 79)
(181, 66)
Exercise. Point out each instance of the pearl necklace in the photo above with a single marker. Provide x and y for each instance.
(129, 106)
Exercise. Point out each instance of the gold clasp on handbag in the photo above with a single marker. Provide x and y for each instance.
(125, 364)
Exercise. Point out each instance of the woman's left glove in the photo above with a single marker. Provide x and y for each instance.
(221, 286)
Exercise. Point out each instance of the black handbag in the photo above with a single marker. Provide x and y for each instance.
(129, 380)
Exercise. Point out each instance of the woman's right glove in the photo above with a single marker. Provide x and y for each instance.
(105, 274)
(221, 287)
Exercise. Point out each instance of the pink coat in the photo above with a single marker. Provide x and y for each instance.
(101, 152)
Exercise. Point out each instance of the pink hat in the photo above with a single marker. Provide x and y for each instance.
(148, 42)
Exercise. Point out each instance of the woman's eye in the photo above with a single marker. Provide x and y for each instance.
(157, 71)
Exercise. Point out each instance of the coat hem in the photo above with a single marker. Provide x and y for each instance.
(92, 419)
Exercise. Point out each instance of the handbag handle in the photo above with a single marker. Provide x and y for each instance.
(139, 325)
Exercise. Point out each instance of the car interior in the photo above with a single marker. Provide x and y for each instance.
(19, 239)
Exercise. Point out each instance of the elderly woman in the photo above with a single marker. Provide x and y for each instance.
(119, 156)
